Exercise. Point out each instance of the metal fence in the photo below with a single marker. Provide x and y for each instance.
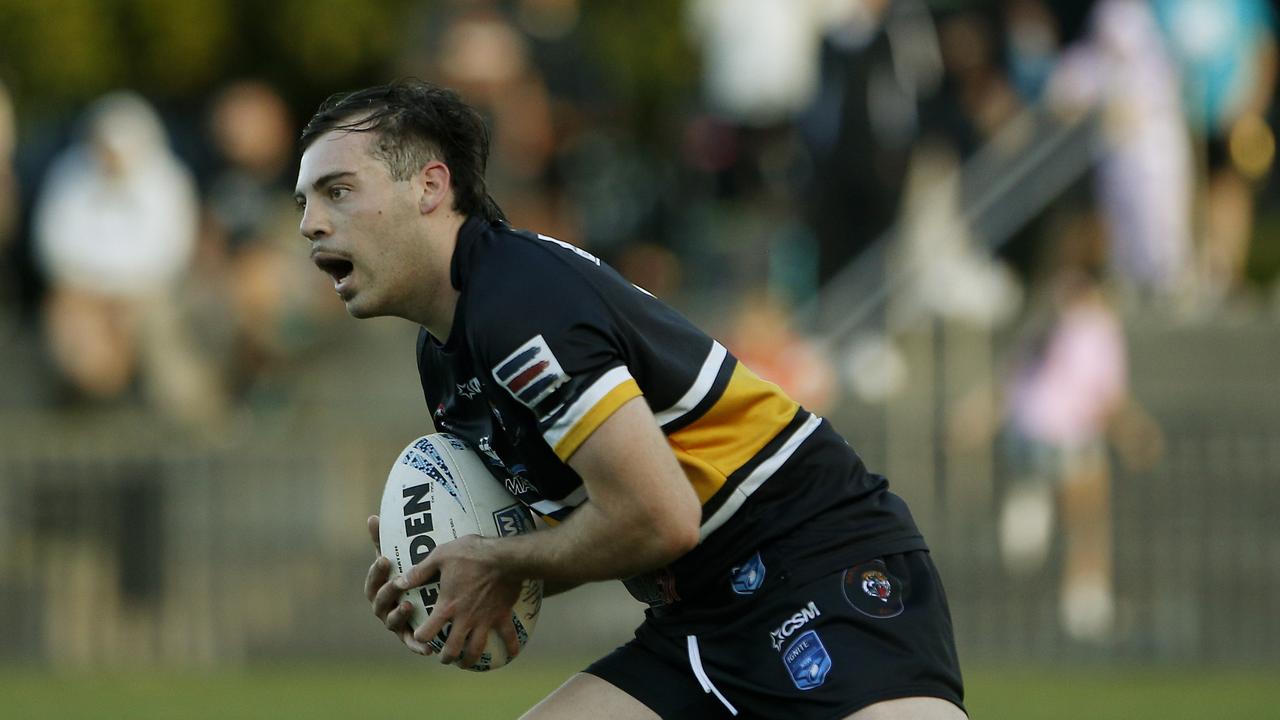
(124, 542)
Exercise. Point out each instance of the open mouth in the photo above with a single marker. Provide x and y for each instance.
(338, 268)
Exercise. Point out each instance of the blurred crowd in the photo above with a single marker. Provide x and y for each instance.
(150, 255)
(149, 252)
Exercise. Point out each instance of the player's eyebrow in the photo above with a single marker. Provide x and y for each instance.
(322, 181)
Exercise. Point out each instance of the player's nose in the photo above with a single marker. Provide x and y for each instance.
(314, 224)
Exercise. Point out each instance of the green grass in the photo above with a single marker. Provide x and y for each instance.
(318, 692)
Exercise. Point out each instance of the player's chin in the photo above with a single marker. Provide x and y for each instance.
(361, 308)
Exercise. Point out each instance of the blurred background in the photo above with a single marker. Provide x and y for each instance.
(1025, 254)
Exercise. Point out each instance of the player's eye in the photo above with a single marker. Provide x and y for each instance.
(337, 193)
(300, 204)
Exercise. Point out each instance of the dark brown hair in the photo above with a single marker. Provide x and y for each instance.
(415, 122)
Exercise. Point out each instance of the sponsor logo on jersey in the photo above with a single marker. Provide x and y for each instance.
(517, 482)
(872, 590)
(793, 623)
(512, 520)
(531, 373)
(747, 577)
(807, 661)
(470, 388)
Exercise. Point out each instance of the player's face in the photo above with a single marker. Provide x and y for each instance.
(361, 223)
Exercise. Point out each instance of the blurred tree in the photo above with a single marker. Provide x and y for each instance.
(646, 57)
(58, 54)
(332, 42)
(179, 47)
(57, 51)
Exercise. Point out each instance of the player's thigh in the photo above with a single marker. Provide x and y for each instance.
(910, 708)
(588, 697)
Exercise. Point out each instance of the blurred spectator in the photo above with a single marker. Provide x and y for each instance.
(878, 61)
(8, 189)
(253, 137)
(1032, 42)
(1066, 394)
(761, 337)
(769, 79)
(249, 251)
(1226, 51)
(114, 229)
(479, 51)
(948, 274)
(978, 96)
(745, 147)
(1144, 178)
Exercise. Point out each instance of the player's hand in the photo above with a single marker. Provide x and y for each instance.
(396, 612)
(475, 595)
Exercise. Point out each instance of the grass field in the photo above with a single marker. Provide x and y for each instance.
(325, 691)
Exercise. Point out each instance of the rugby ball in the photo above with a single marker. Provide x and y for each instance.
(437, 491)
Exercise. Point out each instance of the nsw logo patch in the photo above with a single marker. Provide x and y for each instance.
(872, 590)
(807, 661)
(531, 373)
(749, 576)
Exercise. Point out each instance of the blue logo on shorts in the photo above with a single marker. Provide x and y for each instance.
(748, 577)
(807, 661)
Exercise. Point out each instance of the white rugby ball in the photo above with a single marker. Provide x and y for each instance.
(437, 491)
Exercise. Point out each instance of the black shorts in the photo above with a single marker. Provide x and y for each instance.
(819, 649)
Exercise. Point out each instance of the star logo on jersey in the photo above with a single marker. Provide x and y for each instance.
(470, 388)
(531, 373)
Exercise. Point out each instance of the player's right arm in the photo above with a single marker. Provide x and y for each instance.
(642, 514)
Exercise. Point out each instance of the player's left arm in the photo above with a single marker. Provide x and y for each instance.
(642, 514)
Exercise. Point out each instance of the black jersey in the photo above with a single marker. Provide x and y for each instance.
(547, 341)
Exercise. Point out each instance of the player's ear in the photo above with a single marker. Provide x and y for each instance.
(436, 181)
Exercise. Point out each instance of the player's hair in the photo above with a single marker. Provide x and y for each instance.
(415, 122)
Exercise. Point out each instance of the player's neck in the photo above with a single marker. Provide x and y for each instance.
(440, 298)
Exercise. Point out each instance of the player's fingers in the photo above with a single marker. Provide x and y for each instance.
(373, 533)
(377, 577)
(424, 572)
(406, 636)
(455, 644)
(386, 598)
(507, 631)
(442, 614)
(474, 647)
(398, 619)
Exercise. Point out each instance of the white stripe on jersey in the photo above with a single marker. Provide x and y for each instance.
(763, 472)
(587, 400)
(701, 386)
(572, 500)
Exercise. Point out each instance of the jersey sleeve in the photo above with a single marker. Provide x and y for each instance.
(551, 341)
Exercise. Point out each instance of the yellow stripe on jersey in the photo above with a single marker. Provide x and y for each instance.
(749, 414)
(706, 480)
(594, 417)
